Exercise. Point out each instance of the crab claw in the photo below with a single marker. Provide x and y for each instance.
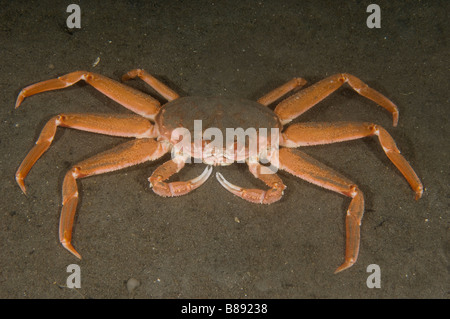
(257, 196)
(199, 180)
(180, 188)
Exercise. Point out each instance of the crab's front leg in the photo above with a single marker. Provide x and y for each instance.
(256, 195)
(169, 168)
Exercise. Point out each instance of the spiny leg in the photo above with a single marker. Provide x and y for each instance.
(302, 134)
(307, 168)
(124, 155)
(128, 97)
(257, 196)
(157, 85)
(274, 95)
(169, 168)
(109, 124)
(303, 100)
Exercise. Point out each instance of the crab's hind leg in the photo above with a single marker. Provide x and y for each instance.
(109, 124)
(303, 134)
(157, 85)
(128, 97)
(305, 167)
(124, 155)
(275, 94)
(303, 100)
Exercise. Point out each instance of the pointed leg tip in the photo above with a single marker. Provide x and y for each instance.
(418, 195)
(344, 266)
(70, 248)
(19, 100)
(395, 120)
(339, 269)
(130, 75)
(21, 184)
(75, 253)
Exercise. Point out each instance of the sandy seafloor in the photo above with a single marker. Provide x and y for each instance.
(211, 244)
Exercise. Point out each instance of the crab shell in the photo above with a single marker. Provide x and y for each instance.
(225, 115)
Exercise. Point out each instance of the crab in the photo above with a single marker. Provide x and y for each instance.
(152, 128)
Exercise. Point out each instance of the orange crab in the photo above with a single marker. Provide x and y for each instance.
(153, 127)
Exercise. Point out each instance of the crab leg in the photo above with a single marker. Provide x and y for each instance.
(303, 100)
(274, 95)
(124, 155)
(257, 196)
(305, 167)
(110, 124)
(158, 86)
(170, 168)
(128, 97)
(302, 134)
